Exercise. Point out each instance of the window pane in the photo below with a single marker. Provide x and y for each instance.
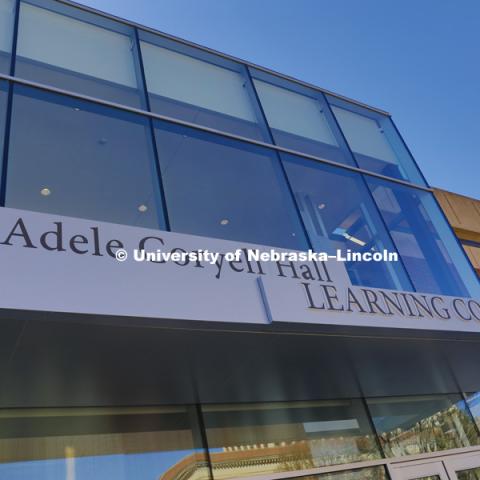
(375, 142)
(373, 473)
(228, 189)
(473, 400)
(270, 438)
(75, 54)
(430, 252)
(101, 443)
(301, 121)
(82, 160)
(199, 91)
(415, 425)
(7, 14)
(339, 213)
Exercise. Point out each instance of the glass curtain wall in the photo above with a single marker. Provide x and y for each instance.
(86, 161)
(231, 440)
(201, 88)
(300, 119)
(429, 250)
(224, 188)
(93, 162)
(347, 221)
(71, 49)
(374, 141)
(473, 400)
(415, 425)
(7, 17)
(282, 437)
(101, 443)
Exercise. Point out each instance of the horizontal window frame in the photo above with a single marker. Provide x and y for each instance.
(152, 115)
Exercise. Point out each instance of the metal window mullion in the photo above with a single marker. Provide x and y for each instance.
(204, 438)
(151, 127)
(373, 428)
(8, 116)
(409, 152)
(195, 126)
(280, 161)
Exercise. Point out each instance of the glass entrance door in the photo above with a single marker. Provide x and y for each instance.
(424, 470)
(464, 467)
(453, 467)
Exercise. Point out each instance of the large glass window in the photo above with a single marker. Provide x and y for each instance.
(339, 213)
(423, 424)
(198, 87)
(222, 188)
(300, 119)
(80, 159)
(429, 250)
(7, 14)
(77, 51)
(473, 400)
(374, 141)
(101, 443)
(270, 438)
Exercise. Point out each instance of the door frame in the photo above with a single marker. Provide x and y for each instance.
(461, 462)
(418, 469)
(467, 455)
(443, 466)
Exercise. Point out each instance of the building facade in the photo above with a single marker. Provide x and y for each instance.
(116, 140)
(463, 214)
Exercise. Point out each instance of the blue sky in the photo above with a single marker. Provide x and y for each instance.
(418, 60)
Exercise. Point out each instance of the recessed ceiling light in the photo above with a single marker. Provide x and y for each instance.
(224, 221)
(45, 192)
(321, 206)
(142, 208)
(76, 109)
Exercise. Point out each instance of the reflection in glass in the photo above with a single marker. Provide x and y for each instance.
(429, 250)
(301, 120)
(423, 424)
(223, 188)
(473, 401)
(374, 473)
(101, 443)
(7, 14)
(86, 161)
(279, 437)
(339, 213)
(77, 51)
(374, 141)
(201, 88)
(470, 474)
